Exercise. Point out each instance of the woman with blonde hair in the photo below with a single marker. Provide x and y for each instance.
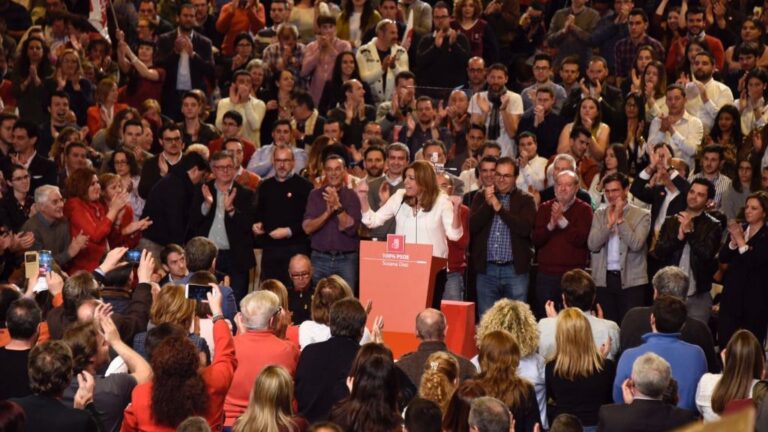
(270, 408)
(743, 367)
(172, 306)
(579, 378)
(499, 360)
(440, 378)
(516, 318)
(102, 113)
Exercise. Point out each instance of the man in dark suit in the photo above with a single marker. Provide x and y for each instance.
(41, 169)
(643, 410)
(50, 372)
(321, 375)
(187, 57)
(223, 211)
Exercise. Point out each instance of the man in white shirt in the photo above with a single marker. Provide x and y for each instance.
(248, 106)
(533, 175)
(381, 59)
(680, 129)
(705, 96)
(499, 109)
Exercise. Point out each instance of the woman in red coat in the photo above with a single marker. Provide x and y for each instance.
(100, 115)
(126, 231)
(88, 215)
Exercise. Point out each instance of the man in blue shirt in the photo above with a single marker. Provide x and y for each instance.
(688, 361)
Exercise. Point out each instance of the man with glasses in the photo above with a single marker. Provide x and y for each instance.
(280, 211)
(261, 162)
(476, 81)
(301, 288)
(441, 55)
(222, 211)
(542, 73)
(157, 167)
(500, 222)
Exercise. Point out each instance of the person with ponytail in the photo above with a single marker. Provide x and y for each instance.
(440, 379)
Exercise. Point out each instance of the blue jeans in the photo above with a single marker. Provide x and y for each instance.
(454, 286)
(345, 265)
(500, 281)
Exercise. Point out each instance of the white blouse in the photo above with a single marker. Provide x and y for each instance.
(433, 227)
(704, 392)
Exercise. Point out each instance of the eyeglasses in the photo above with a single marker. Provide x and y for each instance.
(302, 275)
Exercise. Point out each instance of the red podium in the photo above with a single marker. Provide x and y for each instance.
(399, 278)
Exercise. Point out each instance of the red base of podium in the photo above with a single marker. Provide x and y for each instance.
(460, 317)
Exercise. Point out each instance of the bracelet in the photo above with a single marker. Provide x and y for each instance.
(217, 317)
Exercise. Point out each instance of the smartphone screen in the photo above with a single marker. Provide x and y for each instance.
(46, 261)
(198, 292)
(133, 256)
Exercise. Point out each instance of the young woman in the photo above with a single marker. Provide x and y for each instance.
(653, 88)
(145, 80)
(279, 103)
(193, 127)
(344, 68)
(126, 232)
(101, 115)
(579, 377)
(588, 115)
(270, 408)
(726, 131)
(635, 133)
(645, 56)
(499, 360)
(69, 77)
(751, 102)
(32, 67)
(744, 302)
(616, 160)
(467, 20)
(355, 20)
(752, 30)
(693, 48)
(123, 163)
(743, 366)
(736, 196)
(424, 214)
(89, 215)
(17, 202)
(440, 379)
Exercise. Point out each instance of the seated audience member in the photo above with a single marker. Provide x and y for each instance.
(256, 347)
(687, 361)
(179, 387)
(201, 254)
(743, 368)
(271, 404)
(579, 377)
(579, 293)
(372, 404)
(321, 374)
(90, 343)
(301, 289)
(488, 414)
(174, 264)
(668, 281)
(422, 415)
(643, 408)
(618, 245)
(430, 329)
(440, 378)
(22, 320)
(50, 372)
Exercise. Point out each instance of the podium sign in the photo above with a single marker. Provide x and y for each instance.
(399, 279)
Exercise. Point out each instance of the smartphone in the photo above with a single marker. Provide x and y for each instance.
(31, 265)
(46, 261)
(197, 292)
(133, 256)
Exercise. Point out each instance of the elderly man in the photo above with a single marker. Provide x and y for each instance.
(302, 289)
(489, 414)
(256, 346)
(430, 329)
(560, 235)
(643, 403)
(51, 229)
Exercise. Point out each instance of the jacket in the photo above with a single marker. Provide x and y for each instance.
(519, 219)
(704, 242)
(654, 195)
(168, 207)
(643, 415)
(633, 248)
(370, 69)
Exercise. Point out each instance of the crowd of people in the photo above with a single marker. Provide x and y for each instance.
(184, 193)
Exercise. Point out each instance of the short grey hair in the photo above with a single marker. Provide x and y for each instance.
(398, 146)
(489, 414)
(651, 375)
(258, 308)
(671, 281)
(43, 192)
(566, 157)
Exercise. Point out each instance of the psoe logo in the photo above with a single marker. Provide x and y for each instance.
(395, 243)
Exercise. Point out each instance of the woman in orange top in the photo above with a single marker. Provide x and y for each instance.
(100, 116)
(179, 389)
(89, 216)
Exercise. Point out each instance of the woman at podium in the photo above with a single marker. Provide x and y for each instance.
(423, 214)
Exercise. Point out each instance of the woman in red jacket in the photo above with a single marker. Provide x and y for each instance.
(179, 389)
(88, 215)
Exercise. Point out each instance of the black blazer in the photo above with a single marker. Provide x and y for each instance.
(643, 416)
(238, 226)
(654, 195)
(42, 171)
(201, 66)
(48, 414)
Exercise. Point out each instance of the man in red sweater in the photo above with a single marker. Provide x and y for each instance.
(560, 236)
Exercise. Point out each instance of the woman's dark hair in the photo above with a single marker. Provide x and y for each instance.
(754, 181)
(736, 136)
(456, 416)
(686, 68)
(22, 62)
(622, 159)
(130, 157)
(119, 277)
(79, 182)
(639, 101)
(12, 417)
(336, 79)
(372, 403)
(243, 36)
(349, 9)
(178, 390)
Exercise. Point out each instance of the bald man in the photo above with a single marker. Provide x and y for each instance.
(430, 329)
(300, 292)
